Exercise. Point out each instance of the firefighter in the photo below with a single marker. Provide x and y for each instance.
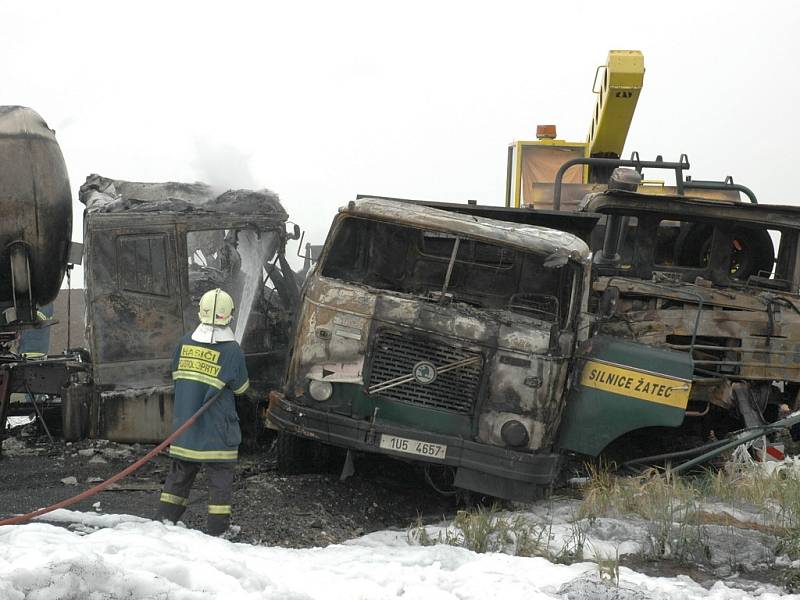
(205, 362)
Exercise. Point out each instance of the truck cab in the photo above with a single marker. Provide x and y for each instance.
(441, 338)
(152, 250)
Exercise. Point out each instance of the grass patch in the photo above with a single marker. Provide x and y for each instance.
(608, 569)
(776, 494)
(483, 529)
(705, 519)
(678, 508)
(487, 530)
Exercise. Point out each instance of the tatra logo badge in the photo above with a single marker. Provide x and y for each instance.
(424, 372)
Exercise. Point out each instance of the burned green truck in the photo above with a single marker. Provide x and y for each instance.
(450, 339)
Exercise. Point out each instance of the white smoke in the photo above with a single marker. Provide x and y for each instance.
(222, 166)
(225, 167)
(254, 252)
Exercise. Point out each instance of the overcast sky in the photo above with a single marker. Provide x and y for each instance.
(321, 101)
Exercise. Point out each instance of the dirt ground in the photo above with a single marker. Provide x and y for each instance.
(294, 511)
(291, 511)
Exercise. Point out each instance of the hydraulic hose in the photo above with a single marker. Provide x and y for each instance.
(124, 473)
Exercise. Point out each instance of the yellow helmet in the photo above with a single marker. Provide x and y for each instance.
(216, 307)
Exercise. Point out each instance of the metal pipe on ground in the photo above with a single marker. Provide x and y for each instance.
(741, 438)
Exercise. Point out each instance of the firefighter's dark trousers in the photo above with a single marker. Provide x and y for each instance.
(175, 496)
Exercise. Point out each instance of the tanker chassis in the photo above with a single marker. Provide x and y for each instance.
(35, 250)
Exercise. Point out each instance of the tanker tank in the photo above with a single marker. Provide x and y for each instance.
(36, 209)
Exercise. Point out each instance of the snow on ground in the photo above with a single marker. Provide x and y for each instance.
(138, 559)
(565, 533)
(17, 421)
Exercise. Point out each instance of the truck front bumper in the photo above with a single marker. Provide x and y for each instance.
(474, 460)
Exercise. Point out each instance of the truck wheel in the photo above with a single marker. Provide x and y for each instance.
(249, 423)
(752, 250)
(753, 253)
(295, 455)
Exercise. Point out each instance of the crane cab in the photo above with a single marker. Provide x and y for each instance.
(532, 165)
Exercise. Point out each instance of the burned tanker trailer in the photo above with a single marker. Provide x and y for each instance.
(152, 250)
(35, 251)
(36, 204)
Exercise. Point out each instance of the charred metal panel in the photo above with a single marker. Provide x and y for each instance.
(143, 415)
(579, 224)
(457, 321)
(743, 334)
(728, 343)
(680, 207)
(532, 238)
(42, 376)
(531, 393)
(333, 329)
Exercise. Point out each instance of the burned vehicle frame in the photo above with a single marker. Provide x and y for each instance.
(691, 323)
(147, 265)
(440, 338)
(716, 280)
(698, 273)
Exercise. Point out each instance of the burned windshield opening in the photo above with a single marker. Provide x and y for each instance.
(414, 261)
(241, 261)
(726, 252)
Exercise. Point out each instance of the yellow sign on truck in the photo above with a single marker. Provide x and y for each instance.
(636, 383)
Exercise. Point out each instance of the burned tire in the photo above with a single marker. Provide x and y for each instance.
(753, 253)
(296, 455)
(752, 250)
(693, 245)
(250, 425)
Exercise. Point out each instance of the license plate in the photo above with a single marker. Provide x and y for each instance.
(409, 446)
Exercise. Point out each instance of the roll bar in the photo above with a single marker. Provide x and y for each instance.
(679, 167)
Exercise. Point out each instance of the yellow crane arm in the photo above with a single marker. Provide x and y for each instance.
(622, 79)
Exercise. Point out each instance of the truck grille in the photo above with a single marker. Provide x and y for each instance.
(395, 354)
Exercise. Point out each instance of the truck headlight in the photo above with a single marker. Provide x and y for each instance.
(320, 390)
(514, 433)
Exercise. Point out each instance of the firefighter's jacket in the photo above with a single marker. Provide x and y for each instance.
(199, 370)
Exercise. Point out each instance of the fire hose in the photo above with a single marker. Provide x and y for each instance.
(124, 473)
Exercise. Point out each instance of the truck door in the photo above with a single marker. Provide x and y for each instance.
(133, 304)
